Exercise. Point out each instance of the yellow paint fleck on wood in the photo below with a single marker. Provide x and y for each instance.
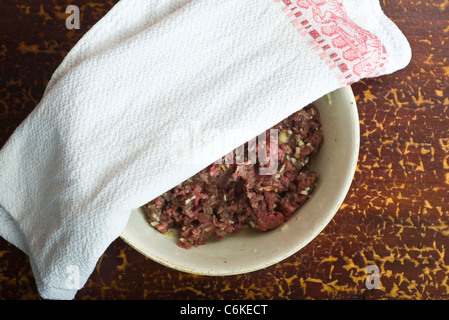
(442, 6)
(420, 167)
(446, 68)
(445, 162)
(444, 143)
(122, 255)
(34, 48)
(43, 13)
(368, 96)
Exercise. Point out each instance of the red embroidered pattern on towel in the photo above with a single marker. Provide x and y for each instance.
(351, 51)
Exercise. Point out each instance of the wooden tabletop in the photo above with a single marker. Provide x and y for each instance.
(395, 218)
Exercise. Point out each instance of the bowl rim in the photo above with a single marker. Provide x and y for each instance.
(347, 91)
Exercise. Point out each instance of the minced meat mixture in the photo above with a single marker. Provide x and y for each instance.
(227, 198)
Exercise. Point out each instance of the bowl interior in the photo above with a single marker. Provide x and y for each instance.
(249, 250)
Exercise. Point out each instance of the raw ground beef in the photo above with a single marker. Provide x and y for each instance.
(227, 198)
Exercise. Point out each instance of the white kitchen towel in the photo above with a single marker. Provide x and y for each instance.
(155, 92)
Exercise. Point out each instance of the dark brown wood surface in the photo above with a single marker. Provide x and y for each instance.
(395, 216)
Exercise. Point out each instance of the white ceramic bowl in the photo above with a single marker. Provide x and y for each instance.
(249, 251)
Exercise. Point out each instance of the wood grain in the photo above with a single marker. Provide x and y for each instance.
(395, 216)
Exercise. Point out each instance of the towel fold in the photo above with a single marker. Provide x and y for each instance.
(155, 92)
